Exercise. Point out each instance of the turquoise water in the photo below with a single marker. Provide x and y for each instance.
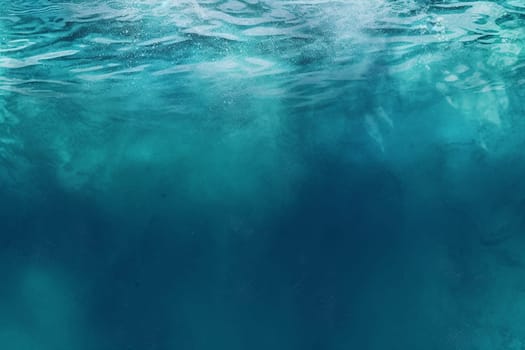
(273, 174)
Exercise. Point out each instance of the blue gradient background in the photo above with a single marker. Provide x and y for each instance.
(231, 174)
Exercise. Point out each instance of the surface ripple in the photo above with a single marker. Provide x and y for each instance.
(61, 41)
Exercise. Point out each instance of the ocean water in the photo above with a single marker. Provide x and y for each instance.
(262, 174)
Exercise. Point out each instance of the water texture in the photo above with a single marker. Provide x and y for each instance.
(262, 174)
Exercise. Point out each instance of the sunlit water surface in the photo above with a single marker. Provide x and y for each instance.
(262, 174)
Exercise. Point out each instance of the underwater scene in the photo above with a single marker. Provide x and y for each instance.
(262, 174)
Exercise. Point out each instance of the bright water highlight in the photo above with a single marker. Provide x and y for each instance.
(246, 174)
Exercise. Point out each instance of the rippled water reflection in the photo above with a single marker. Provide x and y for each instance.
(254, 174)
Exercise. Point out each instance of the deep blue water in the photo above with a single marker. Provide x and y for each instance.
(262, 174)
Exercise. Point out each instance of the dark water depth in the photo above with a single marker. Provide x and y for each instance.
(262, 174)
